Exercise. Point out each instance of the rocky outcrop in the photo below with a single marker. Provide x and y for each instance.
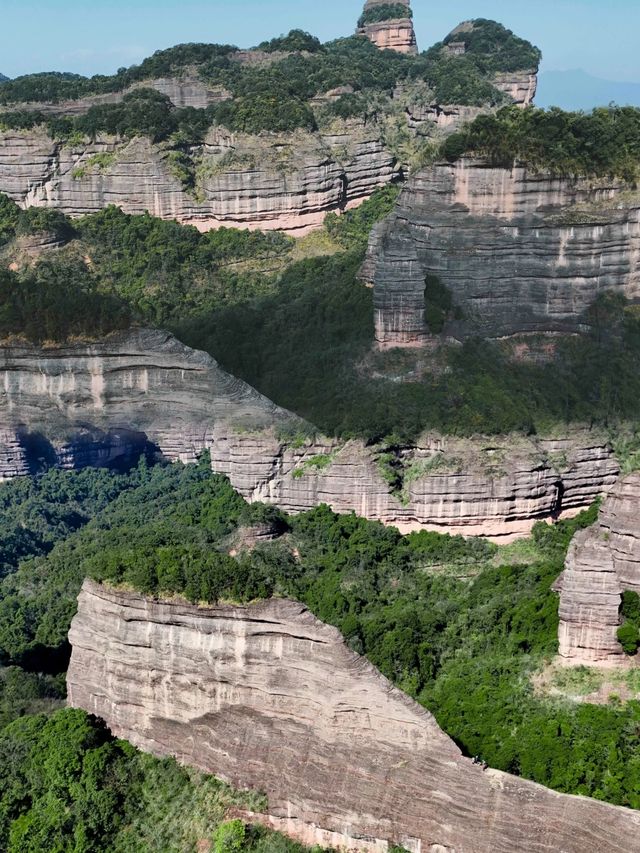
(188, 90)
(478, 486)
(267, 697)
(272, 181)
(519, 251)
(393, 34)
(92, 404)
(105, 402)
(602, 562)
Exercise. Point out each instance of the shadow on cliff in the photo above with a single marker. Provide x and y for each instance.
(117, 450)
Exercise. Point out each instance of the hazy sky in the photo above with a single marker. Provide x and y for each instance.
(91, 36)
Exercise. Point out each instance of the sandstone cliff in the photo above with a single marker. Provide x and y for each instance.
(394, 34)
(272, 181)
(268, 697)
(91, 403)
(94, 404)
(519, 251)
(602, 562)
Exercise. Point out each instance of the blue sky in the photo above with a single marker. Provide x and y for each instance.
(94, 36)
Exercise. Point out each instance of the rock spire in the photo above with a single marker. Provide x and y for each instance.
(388, 25)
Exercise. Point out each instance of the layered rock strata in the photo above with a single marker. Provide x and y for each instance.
(100, 403)
(602, 562)
(394, 34)
(92, 404)
(519, 251)
(188, 90)
(286, 181)
(267, 697)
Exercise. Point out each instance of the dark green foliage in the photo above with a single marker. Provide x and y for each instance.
(629, 637)
(15, 222)
(438, 304)
(23, 693)
(351, 230)
(601, 143)
(629, 632)
(494, 48)
(54, 302)
(385, 12)
(630, 607)
(166, 270)
(36, 512)
(294, 41)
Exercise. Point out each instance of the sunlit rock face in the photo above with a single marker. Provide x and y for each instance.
(519, 251)
(106, 402)
(394, 34)
(267, 697)
(602, 562)
(287, 182)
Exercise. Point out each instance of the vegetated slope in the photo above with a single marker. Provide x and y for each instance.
(273, 93)
(301, 331)
(108, 796)
(601, 143)
(456, 623)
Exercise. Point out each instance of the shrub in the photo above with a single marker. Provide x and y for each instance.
(629, 638)
(385, 12)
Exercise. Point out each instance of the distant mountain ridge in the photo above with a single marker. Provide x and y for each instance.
(3, 78)
(578, 90)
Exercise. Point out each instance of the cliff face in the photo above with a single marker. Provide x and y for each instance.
(93, 404)
(83, 404)
(519, 251)
(285, 181)
(188, 90)
(394, 34)
(268, 697)
(602, 562)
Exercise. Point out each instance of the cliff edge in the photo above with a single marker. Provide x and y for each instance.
(266, 696)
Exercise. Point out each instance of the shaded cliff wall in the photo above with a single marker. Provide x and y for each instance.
(100, 403)
(268, 697)
(602, 562)
(519, 251)
(272, 181)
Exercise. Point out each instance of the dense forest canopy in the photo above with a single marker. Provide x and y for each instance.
(272, 96)
(604, 142)
(385, 12)
(453, 622)
(494, 48)
(300, 330)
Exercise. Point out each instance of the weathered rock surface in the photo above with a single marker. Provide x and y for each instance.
(478, 486)
(271, 181)
(94, 404)
(91, 404)
(188, 90)
(519, 251)
(396, 34)
(268, 697)
(602, 562)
